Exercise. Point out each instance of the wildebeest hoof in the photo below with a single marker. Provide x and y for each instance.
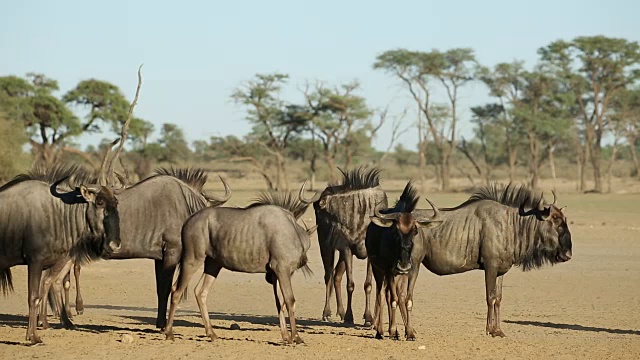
(169, 336)
(411, 338)
(213, 337)
(69, 326)
(497, 333)
(69, 315)
(35, 340)
(379, 336)
(368, 324)
(298, 340)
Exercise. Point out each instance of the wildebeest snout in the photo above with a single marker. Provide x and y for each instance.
(114, 247)
(403, 268)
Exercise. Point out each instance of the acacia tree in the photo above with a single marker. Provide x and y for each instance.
(490, 135)
(596, 67)
(340, 119)
(452, 69)
(505, 82)
(272, 127)
(48, 121)
(626, 112)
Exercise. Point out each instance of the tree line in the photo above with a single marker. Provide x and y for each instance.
(578, 94)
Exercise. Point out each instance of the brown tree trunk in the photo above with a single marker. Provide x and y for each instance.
(512, 152)
(614, 150)
(331, 163)
(552, 164)
(534, 160)
(283, 180)
(631, 139)
(422, 161)
(444, 171)
(595, 163)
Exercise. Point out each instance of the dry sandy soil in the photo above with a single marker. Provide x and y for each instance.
(586, 308)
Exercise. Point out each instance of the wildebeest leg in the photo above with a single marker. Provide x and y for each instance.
(188, 269)
(368, 319)
(164, 277)
(45, 285)
(328, 258)
(411, 283)
(211, 271)
(66, 284)
(402, 288)
(50, 278)
(35, 274)
(378, 306)
(284, 278)
(496, 308)
(393, 294)
(337, 285)
(490, 277)
(79, 301)
(59, 276)
(348, 264)
(279, 306)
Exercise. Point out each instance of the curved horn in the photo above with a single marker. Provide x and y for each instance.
(311, 200)
(219, 200)
(54, 187)
(554, 198)
(71, 197)
(390, 216)
(532, 211)
(123, 183)
(436, 212)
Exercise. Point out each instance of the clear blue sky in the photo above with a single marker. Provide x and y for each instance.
(196, 52)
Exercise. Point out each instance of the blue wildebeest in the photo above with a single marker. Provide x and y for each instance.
(389, 241)
(492, 231)
(152, 213)
(342, 216)
(264, 237)
(42, 228)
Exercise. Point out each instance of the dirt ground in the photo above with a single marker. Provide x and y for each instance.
(588, 308)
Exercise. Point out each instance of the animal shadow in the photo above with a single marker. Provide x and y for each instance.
(574, 327)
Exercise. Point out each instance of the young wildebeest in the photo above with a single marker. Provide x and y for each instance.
(153, 212)
(41, 228)
(389, 241)
(342, 216)
(491, 231)
(261, 238)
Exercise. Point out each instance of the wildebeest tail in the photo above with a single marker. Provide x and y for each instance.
(185, 295)
(6, 281)
(304, 266)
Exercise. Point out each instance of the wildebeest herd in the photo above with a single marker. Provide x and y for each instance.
(55, 219)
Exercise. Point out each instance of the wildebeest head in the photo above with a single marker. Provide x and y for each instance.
(403, 226)
(101, 213)
(555, 234)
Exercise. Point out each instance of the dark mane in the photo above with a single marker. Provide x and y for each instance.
(356, 179)
(192, 176)
(285, 200)
(509, 195)
(76, 174)
(408, 200)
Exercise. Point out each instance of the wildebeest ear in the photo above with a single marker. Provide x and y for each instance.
(88, 194)
(381, 222)
(428, 223)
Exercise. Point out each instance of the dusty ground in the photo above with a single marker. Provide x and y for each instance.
(586, 308)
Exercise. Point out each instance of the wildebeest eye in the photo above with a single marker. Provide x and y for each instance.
(100, 202)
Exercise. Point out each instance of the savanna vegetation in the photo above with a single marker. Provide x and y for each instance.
(575, 114)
